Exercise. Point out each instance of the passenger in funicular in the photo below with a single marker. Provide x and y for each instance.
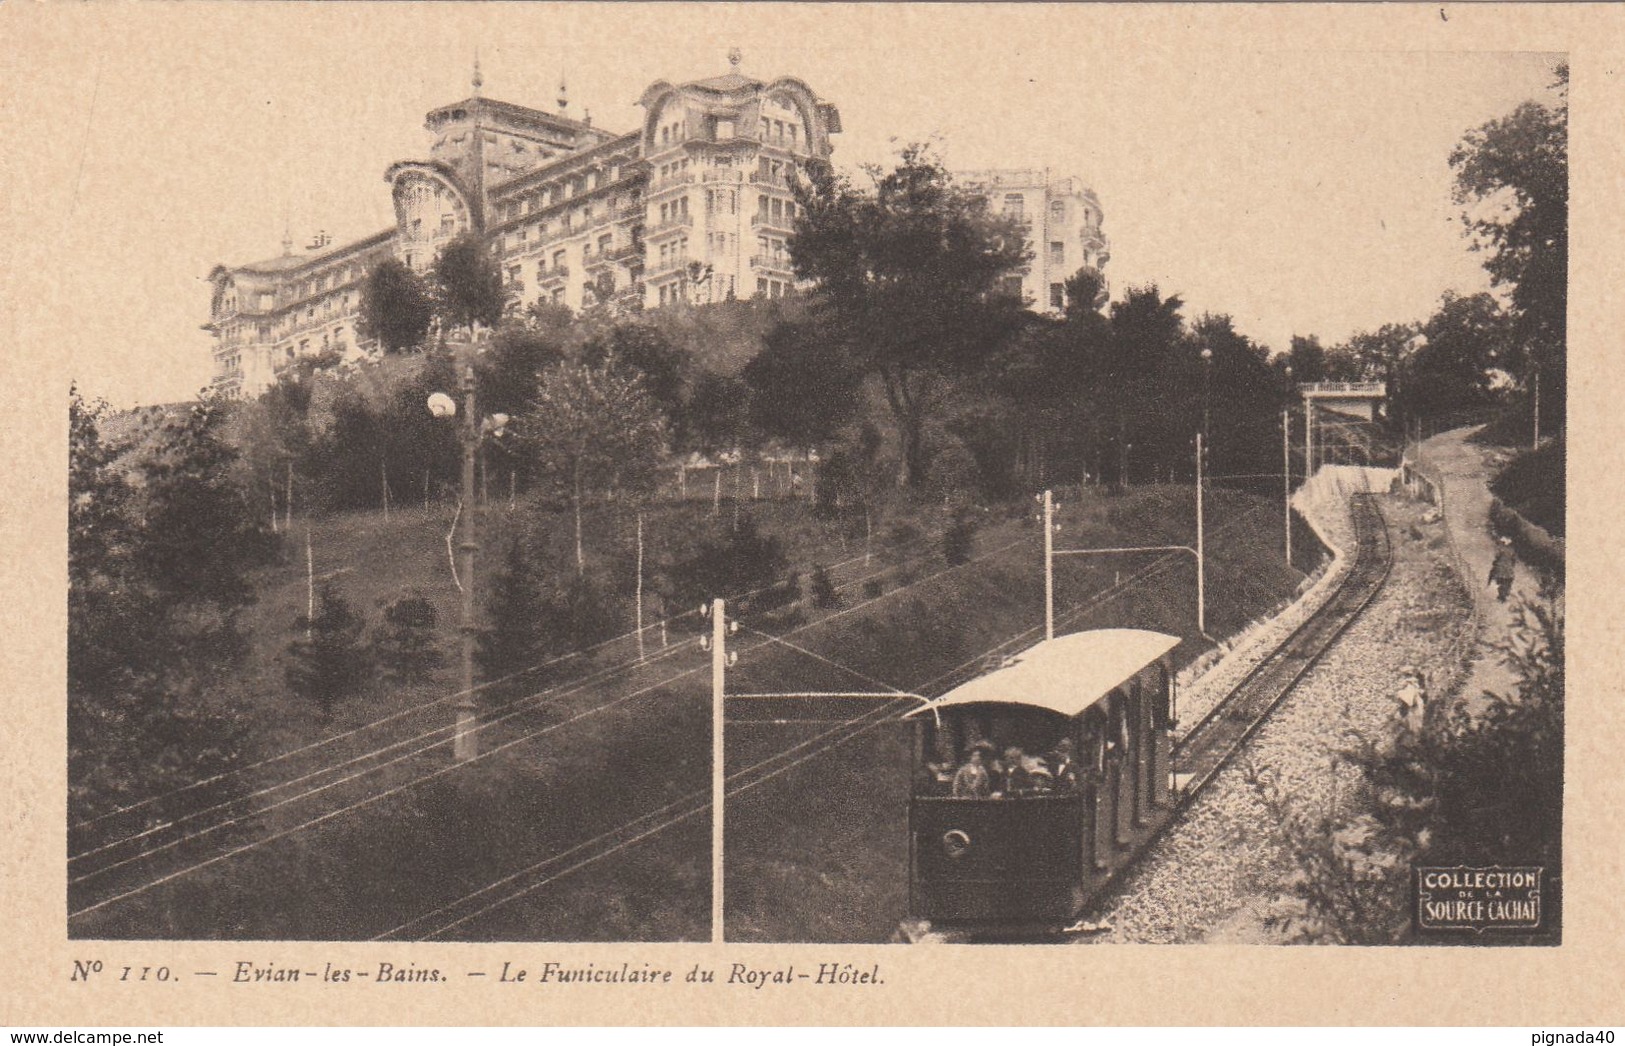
(985, 773)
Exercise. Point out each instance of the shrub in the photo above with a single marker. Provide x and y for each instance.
(327, 659)
(959, 540)
(873, 588)
(404, 641)
(1533, 484)
(824, 594)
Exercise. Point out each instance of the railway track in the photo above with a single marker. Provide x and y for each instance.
(1215, 740)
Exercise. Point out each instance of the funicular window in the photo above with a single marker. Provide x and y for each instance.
(1161, 697)
(998, 752)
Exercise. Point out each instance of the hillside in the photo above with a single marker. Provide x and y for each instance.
(606, 739)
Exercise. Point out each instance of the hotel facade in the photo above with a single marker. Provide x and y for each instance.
(695, 205)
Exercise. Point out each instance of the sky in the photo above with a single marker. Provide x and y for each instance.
(1301, 189)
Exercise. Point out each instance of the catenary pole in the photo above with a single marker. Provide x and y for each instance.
(1201, 549)
(719, 669)
(465, 742)
(1286, 477)
(1049, 565)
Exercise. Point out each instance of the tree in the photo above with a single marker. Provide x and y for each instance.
(155, 580)
(1308, 358)
(345, 457)
(909, 277)
(513, 362)
(404, 641)
(1513, 175)
(1085, 293)
(199, 536)
(717, 415)
(1146, 345)
(641, 350)
(519, 631)
(804, 388)
(395, 307)
(1466, 339)
(593, 429)
(326, 658)
(469, 289)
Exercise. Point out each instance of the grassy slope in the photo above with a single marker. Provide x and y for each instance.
(803, 846)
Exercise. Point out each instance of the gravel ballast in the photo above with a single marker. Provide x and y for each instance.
(1215, 875)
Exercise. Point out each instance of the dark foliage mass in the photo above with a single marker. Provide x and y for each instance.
(161, 540)
(396, 307)
(1533, 484)
(404, 641)
(743, 561)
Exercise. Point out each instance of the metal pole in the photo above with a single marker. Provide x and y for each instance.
(719, 669)
(1049, 565)
(310, 584)
(465, 743)
(1536, 441)
(1308, 436)
(1201, 551)
(1286, 477)
(640, 586)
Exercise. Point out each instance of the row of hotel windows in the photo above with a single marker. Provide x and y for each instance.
(722, 128)
(580, 218)
(1015, 206)
(549, 195)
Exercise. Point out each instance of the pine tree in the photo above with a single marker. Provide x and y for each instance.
(327, 659)
(516, 635)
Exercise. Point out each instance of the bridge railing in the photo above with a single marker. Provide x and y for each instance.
(1362, 388)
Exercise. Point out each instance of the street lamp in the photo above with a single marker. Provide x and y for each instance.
(465, 745)
(1207, 382)
(1286, 463)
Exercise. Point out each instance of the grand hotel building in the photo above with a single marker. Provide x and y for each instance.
(694, 205)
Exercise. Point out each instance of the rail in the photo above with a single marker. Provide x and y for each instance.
(1215, 740)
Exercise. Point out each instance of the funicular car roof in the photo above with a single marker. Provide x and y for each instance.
(1066, 674)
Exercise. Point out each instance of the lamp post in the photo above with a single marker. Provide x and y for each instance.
(1207, 383)
(465, 742)
(1201, 547)
(1286, 463)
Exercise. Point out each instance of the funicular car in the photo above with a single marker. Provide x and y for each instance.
(1073, 737)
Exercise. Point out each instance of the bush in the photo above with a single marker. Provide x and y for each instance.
(1533, 544)
(959, 540)
(873, 588)
(404, 642)
(327, 659)
(1533, 484)
(824, 594)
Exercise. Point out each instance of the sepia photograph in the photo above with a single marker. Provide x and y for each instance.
(769, 509)
(674, 497)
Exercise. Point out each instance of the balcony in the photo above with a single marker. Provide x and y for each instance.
(767, 178)
(723, 174)
(672, 181)
(553, 274)
(771, 262)
(625, 251)
(682, 221)
(770, 223)
(636, 209)
(670, 265)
